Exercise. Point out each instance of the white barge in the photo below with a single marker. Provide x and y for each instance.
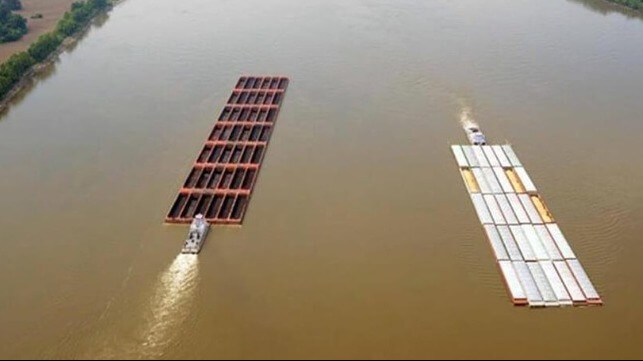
(537, 263)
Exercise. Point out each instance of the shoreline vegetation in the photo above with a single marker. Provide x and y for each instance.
(632, 4)
(20, 68)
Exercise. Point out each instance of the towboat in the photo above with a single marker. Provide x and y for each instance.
(198, 231)
(475, 135)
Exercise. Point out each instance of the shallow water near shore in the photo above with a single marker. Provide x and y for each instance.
(360, 240)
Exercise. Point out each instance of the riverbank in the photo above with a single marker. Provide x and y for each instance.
(52, 11)
(20, 68)
(630, 4)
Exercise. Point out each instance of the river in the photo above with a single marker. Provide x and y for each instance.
(360, 240)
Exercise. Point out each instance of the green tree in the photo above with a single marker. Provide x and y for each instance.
(12, 4)
(45, 45)
(16, 66)
(13, 69)
(12, 26)
(79, 15)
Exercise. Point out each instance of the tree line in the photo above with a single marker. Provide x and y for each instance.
(12, 26)
(81, 12)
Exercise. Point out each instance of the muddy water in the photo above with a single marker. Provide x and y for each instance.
(360, 240)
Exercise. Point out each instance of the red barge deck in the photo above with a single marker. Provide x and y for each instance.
(221, 182)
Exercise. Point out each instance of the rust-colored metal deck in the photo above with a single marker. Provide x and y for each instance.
(221, 181)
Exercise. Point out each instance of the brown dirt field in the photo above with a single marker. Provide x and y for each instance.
(52, 11)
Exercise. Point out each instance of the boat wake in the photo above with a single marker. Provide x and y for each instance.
(466, 118)
(170, 305)
(471, 127)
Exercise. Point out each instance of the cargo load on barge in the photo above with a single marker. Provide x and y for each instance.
(535, 259)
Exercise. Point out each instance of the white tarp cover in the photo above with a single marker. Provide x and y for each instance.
(513, 159)
(584, 282)
(459, 156)
(525, 179)
(496, 242)
(561, 242)
(491, 156)
(482, 182)
(523, 243)
(505, 207)
(510, 243)
(518, 209)
(503, 180)
(543, 284)
(548, 242)
(482, 159)
(535, 243)
(471, 157)
(533, 214)
(502, 157)
(556, 283)
(528, 284)
(481, 209)
(494, 209)
(490, 177)
(570, 282)
(513, 283)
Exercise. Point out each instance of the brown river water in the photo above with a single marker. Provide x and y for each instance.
(360, 240)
